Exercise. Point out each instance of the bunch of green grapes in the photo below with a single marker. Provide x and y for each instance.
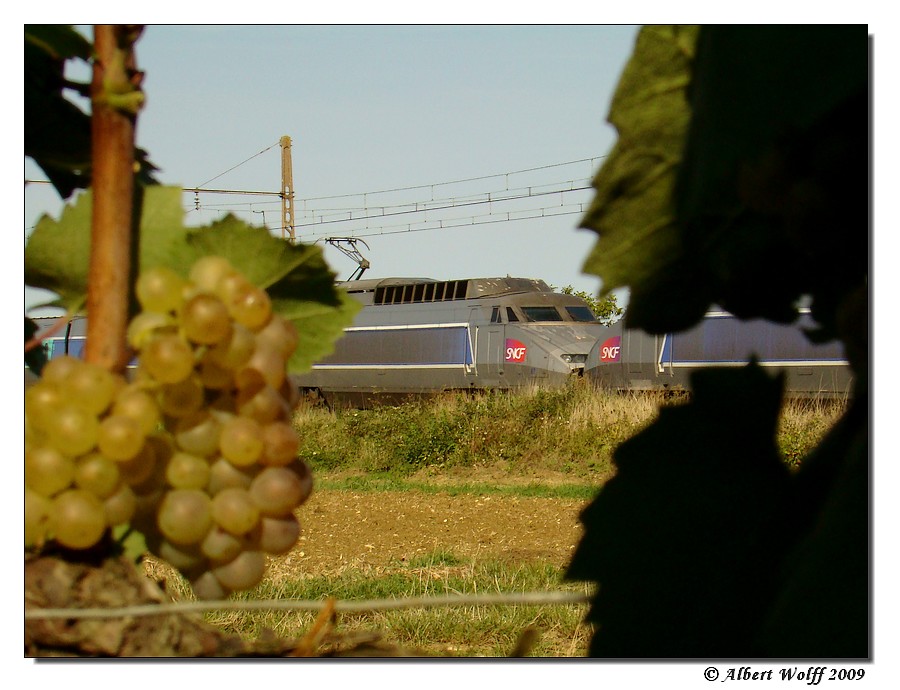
(215, 486)
(215, 356)
(88, 435)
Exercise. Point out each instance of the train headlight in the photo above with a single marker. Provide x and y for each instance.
(574, 359)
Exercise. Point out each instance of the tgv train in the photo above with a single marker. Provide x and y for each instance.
(627, 359)
(416, 336)
(419, 336)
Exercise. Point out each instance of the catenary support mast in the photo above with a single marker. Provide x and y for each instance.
(287, 190)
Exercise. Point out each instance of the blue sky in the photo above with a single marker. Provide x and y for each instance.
(518, 112)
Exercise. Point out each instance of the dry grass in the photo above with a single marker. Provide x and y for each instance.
(465, 630)
(511, 440)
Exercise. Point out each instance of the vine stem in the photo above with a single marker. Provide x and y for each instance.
(112, 181)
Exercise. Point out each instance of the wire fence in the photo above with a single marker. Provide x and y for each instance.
(341, 606)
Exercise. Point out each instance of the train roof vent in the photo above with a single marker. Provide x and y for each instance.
(412, 293)
(491, 287)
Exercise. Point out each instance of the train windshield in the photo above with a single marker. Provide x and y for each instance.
(541, 314)
(583, 314)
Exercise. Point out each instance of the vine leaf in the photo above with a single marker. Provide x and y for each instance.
(680, 541)
(57, 255)
(632, 210)
(296, 276)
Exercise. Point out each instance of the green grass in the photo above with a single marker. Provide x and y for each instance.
(554, 444)
(468, 631)
(387, 482)
(570, 433)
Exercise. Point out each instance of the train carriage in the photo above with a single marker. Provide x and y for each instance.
(630, 359)
(420, 336)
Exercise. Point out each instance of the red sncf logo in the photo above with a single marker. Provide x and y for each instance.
(515, 351)
(611, 349)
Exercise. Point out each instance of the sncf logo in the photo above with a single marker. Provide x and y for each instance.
(515, 351)
(611, 349)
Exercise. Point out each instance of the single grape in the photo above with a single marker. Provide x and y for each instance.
(186, 471)
(183, 398)
(159, 289)
(137, 404)
(208, 271)
(151, 476)
(59, 369)
(249, 305)
(268, 362)
(280, 444)
(91, 387)
(143, 327)
(241, 441)
(280, 335)
(80, 519)
(141, 467)
(252, 308)
(207, 588)
(235, 350)
(231, 286)
(168, 358)
(39, 518)
(221, 546)
(261, 403)
(276, 491)
(74, 431)
(198, 433)
(234, 511)
(184, 516)
(47, 471)
(276, 536)
(205, 319)
(222, 475)
(42, 399)
(98, 474)
(187, 559)
(120, 438)
(121, 506)
(243, 572)
(213, 376)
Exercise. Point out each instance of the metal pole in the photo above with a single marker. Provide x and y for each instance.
(287, 190)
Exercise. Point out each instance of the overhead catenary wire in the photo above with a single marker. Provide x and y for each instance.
(240, 164)
(459, 181)
(427, 206)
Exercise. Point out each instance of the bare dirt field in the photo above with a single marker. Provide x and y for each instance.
(347, 529)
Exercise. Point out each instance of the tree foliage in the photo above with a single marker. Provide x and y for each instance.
(606, 308)
(739, 179)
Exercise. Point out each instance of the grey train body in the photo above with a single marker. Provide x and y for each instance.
(632, 360)
(418, 336)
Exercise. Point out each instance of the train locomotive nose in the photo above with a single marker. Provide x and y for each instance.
(575, 362)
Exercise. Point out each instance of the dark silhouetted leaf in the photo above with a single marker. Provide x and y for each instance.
(633, 211)
(679, 540)
(36, 358)
(58, 132)
(765, 197)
